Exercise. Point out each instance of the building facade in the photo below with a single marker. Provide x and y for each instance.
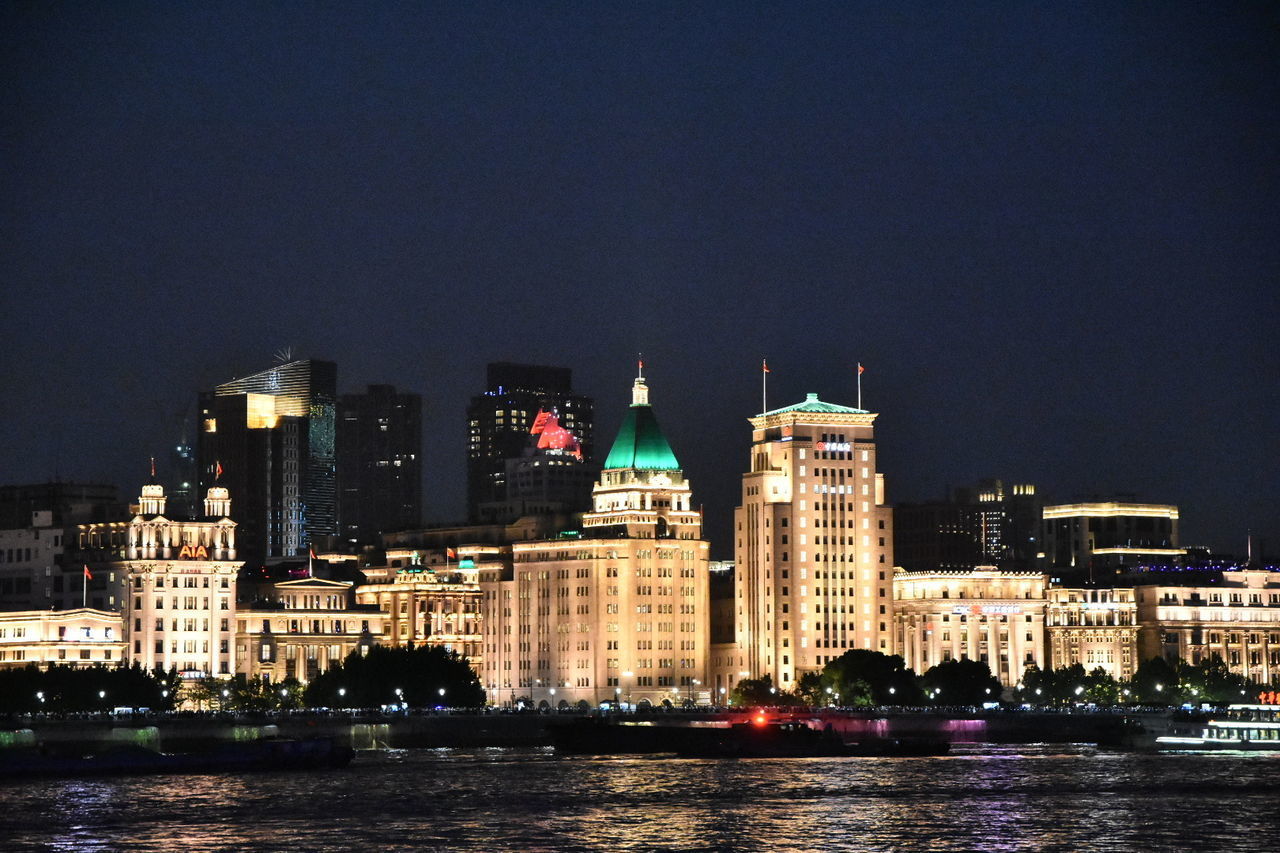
(270, 439)
(80, 637)
(985, 614)
(1094, 541)
(1234, 615)
(499, 421)
(174, 582)
(813, 543)
(1093, 627)
(420, 603)
(300, 628)
(379, 457)
(617, 611)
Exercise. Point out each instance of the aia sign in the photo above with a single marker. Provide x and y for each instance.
(193, 552)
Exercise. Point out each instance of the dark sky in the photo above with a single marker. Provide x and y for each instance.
(1048, 230)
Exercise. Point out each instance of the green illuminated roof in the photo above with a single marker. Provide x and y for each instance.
(641, 444)
(813, 404)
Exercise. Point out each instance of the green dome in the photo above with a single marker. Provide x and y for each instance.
(641, 444)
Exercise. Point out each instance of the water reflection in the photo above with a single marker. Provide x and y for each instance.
(986, 797)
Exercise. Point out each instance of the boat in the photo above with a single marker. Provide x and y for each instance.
(1253, 728)
(272, 754)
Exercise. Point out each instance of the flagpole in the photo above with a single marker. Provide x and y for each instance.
(764, 386)
(859, 385)
(84, 588)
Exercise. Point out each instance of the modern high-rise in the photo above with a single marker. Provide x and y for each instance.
(379, 454)
(813, 543)
(499, 423)
(615, 611)
(990, 525)
(270, 439)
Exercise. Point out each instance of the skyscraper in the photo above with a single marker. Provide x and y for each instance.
(499, 423)
(813, 542)
(379, 463)
(269, 438)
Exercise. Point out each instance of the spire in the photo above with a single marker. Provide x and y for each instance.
(640, 391)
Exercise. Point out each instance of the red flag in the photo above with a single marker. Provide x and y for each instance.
(861, 369)
(764, 364)
(87, 573)
(311, 552)
(450, 554)
(217, 470)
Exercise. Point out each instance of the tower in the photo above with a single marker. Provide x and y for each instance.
(379, 455)
(269, 439)
(499, 421)
(813, 542)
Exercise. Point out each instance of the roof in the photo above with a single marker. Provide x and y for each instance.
(641, 444)
(813, 404)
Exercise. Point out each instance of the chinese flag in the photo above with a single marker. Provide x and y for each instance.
(451, 554)
(87, 573)
(861, 369)
(764, 364)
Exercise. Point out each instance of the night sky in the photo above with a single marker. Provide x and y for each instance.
(1049, 231)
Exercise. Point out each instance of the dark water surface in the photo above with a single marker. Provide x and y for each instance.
(984, 798)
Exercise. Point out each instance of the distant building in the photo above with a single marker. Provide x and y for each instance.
(173, 580)
(1234, 615)
(615, 611)
(300, 629)
(1092, 541)
(270, 439)
(30, 564)
(813, 543)
(67, 504)
(988, 525)
(984, 614)
(498, 427)
(434, 604)
(379, 457)
(551, 477)
(81, 637)
(1093, 627)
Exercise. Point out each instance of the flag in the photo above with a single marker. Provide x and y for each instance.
(861, 369)
(311, 552)
(88, 574)
(764, 365)
(217, 470)
(450, 554)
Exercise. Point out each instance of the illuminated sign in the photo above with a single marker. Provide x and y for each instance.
(833, 446)
(193, 552)
(986, 609)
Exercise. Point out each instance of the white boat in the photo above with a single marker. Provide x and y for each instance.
(1239, 727)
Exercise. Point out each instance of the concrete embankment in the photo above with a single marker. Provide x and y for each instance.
(178, 734)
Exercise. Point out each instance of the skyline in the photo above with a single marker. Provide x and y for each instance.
(1048, 237)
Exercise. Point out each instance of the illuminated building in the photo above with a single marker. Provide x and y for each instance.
(174, 581)
(379, 441)
(615, 611)
(498, 426)
(300, 628)
(1093, 540)
(29, 564)
(1234, 615)
(813, 543)
(552, 477)
(984, 614)
(81, 637)
(434, 604)
(270, 439)
(1094, 628)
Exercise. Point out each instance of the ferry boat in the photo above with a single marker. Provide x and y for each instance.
(1255, 728)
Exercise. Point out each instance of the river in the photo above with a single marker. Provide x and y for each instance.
(982, 797)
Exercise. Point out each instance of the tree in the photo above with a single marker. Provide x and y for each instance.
(961, 682)
(865, 677)
(422, 676)
(1156, 683)
(759, 691)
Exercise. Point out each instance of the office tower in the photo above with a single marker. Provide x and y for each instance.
(500, 419)
(551, 477)
(813, 542)
(988, 525)
(269, 438)
(183, 478)
(379, 463)
(616, 611)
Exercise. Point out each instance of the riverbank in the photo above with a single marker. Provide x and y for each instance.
(465, 729)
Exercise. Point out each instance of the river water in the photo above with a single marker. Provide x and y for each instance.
(982, 797)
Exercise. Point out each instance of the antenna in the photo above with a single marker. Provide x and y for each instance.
(284, 355)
